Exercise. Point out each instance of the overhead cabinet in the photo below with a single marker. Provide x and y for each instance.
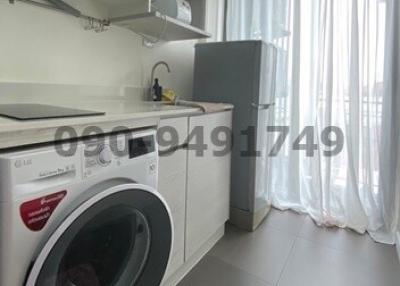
(159, 19)
(160, 27)
(154, 20)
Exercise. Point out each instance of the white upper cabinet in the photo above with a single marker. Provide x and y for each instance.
(157, 20)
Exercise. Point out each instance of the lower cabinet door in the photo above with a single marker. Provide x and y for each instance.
(208, 185)
(172, 186)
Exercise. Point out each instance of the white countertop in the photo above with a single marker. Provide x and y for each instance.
(123, 113)
(115, 111)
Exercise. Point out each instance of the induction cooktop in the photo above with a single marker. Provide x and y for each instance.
(30, 111)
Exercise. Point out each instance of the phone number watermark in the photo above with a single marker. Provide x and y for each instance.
(221, 140)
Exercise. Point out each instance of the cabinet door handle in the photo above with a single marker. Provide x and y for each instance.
(262, 106)
(172, 150)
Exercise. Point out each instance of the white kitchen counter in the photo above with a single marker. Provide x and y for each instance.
(119, 113)
(14, 133)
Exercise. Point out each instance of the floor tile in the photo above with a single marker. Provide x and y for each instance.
(287, 221)
(214, 272)
(262, 253)
(315, 256)
(349, 241)
(312, 264)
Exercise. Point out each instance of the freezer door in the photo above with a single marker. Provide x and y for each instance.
(266, 78)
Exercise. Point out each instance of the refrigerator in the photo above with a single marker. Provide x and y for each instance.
(243, 73)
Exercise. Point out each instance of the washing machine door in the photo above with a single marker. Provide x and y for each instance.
(121, 237)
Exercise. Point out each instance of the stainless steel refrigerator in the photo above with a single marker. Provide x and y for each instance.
(242, 73)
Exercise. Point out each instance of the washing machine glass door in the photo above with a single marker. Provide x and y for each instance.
(120, 237)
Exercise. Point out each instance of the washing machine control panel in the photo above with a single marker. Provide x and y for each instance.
(116, 151)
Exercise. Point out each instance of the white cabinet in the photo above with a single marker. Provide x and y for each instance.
(195, 187)
(208, 183)
(170, 128)
(172, 186)
(158, 19)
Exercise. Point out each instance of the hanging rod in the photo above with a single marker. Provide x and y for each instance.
(61, 6)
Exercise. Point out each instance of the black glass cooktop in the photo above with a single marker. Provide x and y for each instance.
(42, 111)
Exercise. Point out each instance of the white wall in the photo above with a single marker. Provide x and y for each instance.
(47, 47)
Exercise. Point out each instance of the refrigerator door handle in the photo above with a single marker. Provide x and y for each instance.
(262, 106)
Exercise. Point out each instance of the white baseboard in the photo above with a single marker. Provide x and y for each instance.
(398, 243)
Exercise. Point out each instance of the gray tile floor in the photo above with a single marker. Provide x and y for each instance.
(290, 250)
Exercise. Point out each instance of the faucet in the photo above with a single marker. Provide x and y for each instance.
(161, 63)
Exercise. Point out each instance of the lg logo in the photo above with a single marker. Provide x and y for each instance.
(22, 163)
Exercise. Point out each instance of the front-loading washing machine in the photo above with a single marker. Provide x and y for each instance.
(91, 217)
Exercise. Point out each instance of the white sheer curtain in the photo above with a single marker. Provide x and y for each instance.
(338, 66)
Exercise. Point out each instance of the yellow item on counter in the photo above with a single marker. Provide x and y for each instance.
(168, 95)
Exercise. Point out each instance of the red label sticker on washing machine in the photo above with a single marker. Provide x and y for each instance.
(36, 213)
